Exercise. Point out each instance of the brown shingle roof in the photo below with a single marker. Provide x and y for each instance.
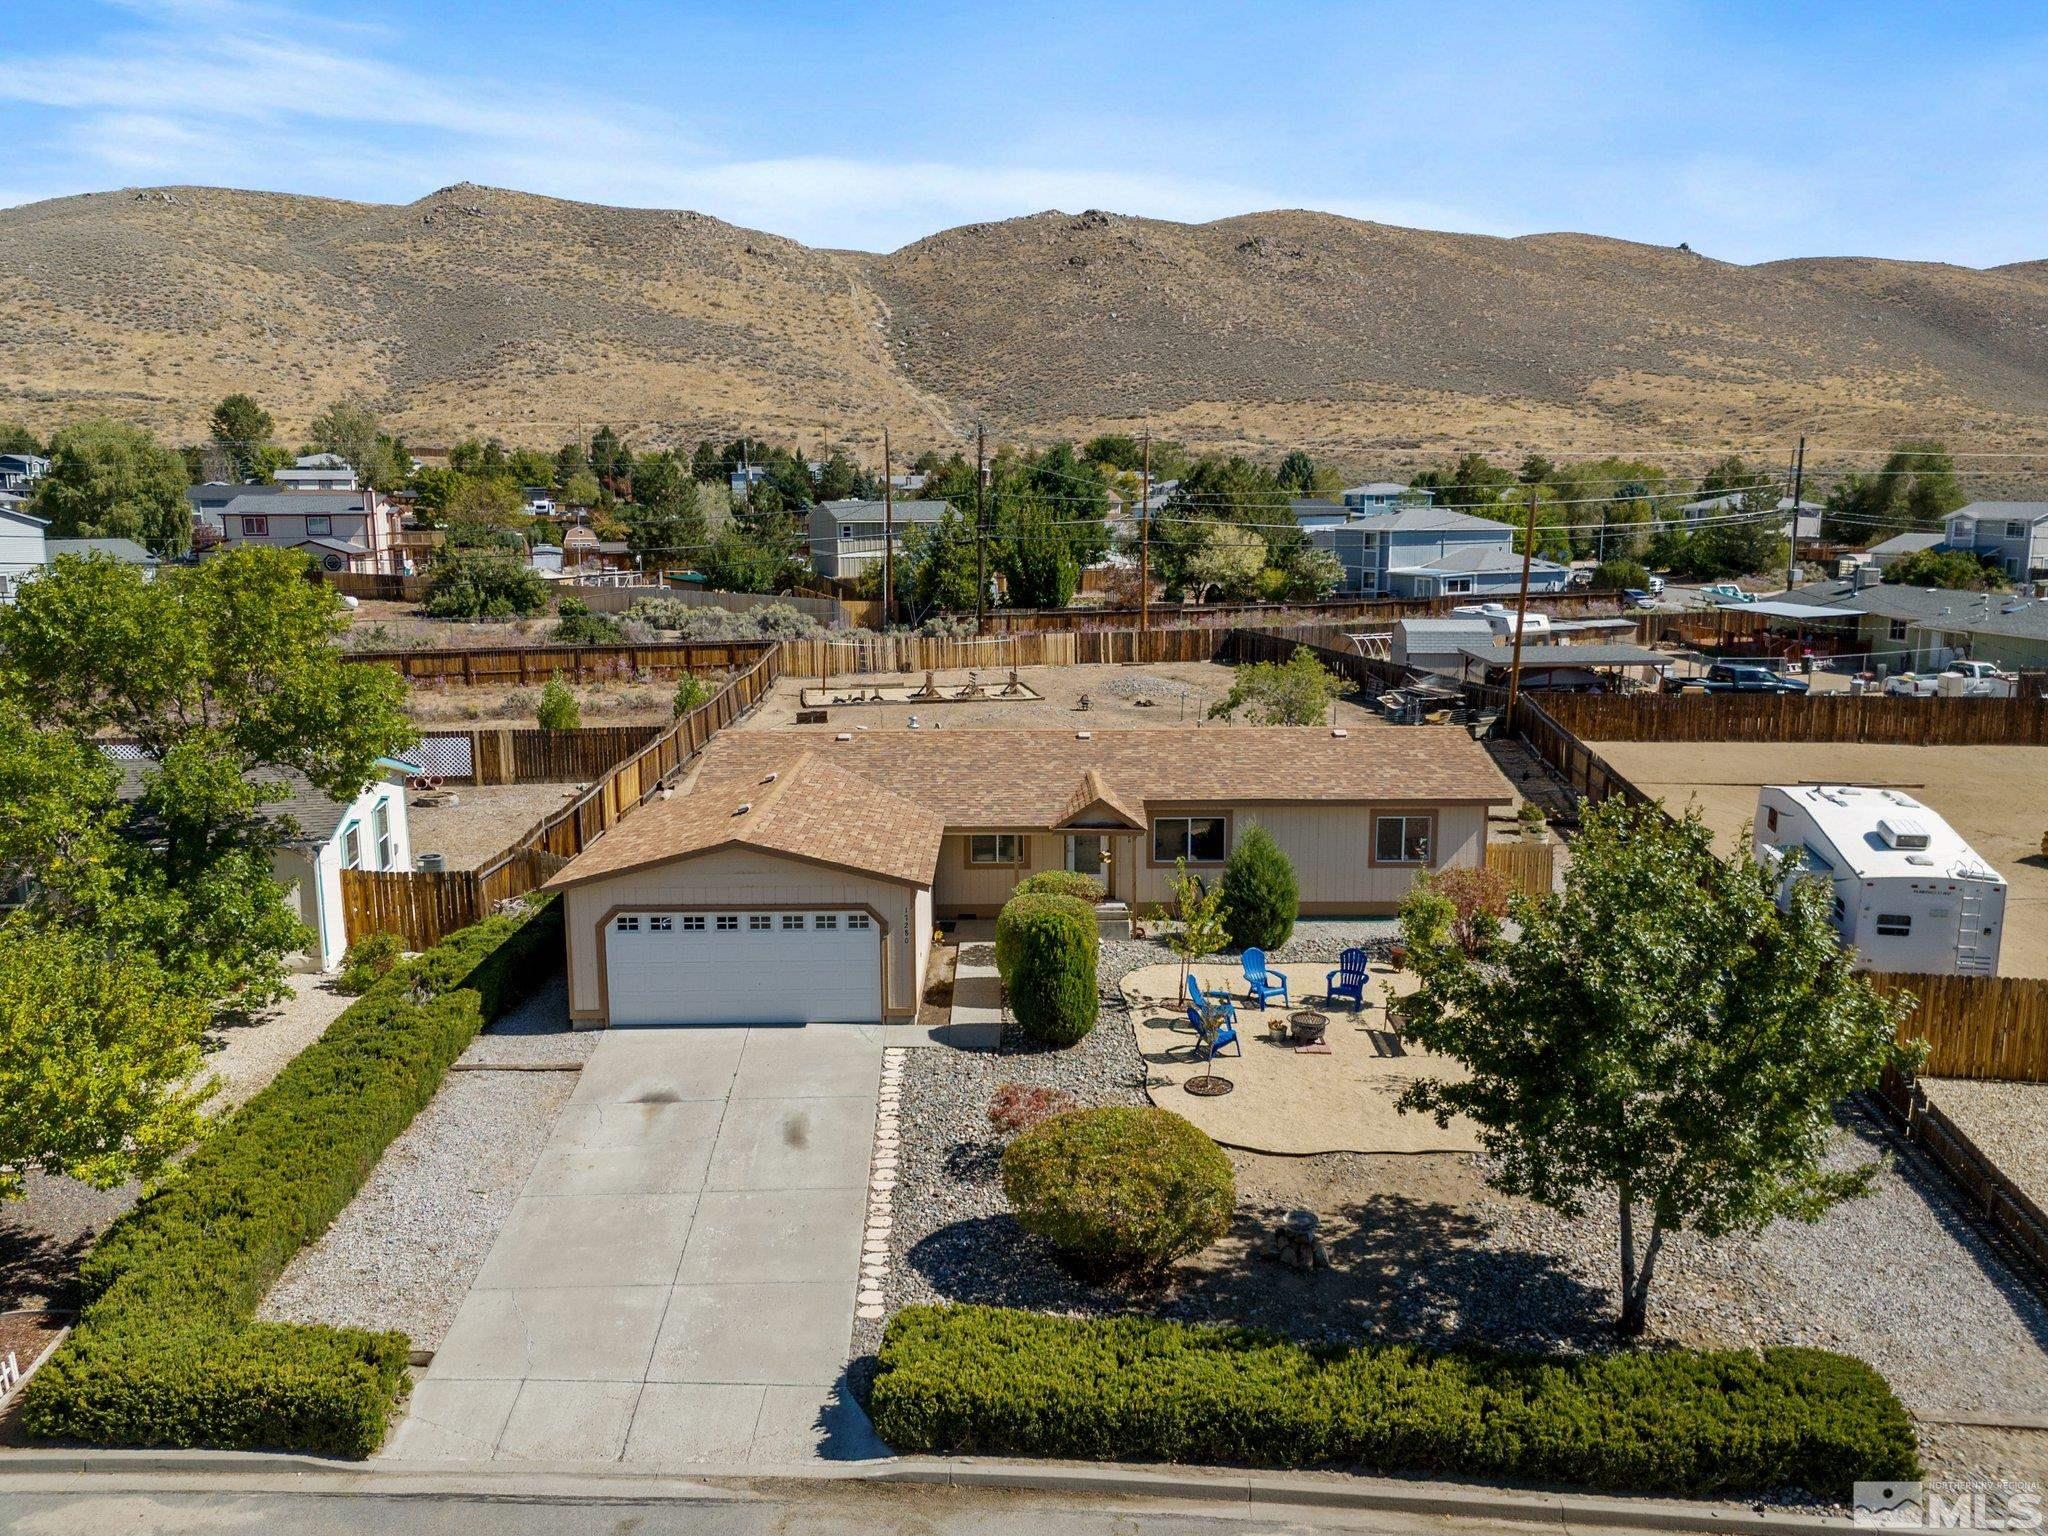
(795, 803)
(1092, 791)
(1028, 779)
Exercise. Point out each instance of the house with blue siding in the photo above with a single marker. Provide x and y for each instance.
(2013, 535)
(1432, 552)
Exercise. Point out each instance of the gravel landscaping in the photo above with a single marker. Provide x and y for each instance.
(2007, 1121)
(1424, 1250)
(404, 1252)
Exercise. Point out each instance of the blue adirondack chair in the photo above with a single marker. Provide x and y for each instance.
(1348, 980)
(1261, 984)
(1212, 1032)
(1219, 1004)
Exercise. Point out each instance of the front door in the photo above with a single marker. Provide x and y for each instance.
(1084, 856)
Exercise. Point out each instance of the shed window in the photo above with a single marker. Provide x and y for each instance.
(1894, 925)
(1198, 839)
(1400, 839)
(995, 848)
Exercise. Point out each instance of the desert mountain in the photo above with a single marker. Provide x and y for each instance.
(479, 310)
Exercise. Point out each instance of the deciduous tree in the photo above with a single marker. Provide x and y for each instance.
(242, 430)
(109, 480)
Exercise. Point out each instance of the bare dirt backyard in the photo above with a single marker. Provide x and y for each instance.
(469, 824)
(1991, 795)
(432, 703)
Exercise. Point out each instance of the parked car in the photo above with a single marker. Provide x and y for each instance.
(1726, 592)
(1638, 598)
(1656, 586)
(1738, 677)
(1958, 680)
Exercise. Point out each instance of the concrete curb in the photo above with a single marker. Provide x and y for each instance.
(1254, 1491)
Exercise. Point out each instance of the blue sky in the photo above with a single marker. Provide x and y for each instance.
(1751, 130)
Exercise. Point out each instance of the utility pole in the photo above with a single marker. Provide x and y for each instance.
(888, 537)
(1521, 613)
(1798, 484)
(1145, 543)
(980, 529)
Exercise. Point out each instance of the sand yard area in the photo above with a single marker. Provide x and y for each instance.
(1995, 797)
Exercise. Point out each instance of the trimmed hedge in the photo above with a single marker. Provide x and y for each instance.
(166, 1351)
(1061, 882)
(1261, 896)
(984, 1380)
(1046, 951)
(1122, 1188)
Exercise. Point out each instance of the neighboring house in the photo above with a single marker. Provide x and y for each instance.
(743, 480)
(324, 836)
(342, 530)
(19, 472)
(317, 472)
(210, 502)
(1382, 496)
(912, 482)
(1728, 503)
(127, 551)
(1314, 512)
(799, 876)
(23, 549)
(846, 536)
(1432, 552)
(1918, 628)
(2013, 535)
(583, 550)
(1901, 545)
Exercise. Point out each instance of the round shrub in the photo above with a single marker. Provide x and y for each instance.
(368, 960)
(1261, 897)
(1120, 1189)
(1046, 950)
(1061, 882)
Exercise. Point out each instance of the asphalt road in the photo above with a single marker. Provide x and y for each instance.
(111, 1506)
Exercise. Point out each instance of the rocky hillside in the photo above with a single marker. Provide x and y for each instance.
(483, 310)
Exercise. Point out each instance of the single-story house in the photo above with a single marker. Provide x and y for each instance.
(1900, 545)
(322, 837)
(23, 549)
(798, 877)
(126, 551)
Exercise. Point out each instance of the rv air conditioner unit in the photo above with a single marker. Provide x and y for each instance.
(1902, 833)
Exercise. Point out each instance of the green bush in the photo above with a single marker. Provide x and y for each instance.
(166, 1351)
(1120, 1189)
(1061, 882)
(1261, 897)
(984, 1381)
(577, 625)
(484, 584)
(1046, 950)
(368, 961)
(557, 709)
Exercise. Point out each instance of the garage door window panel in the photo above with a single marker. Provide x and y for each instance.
(743, 968)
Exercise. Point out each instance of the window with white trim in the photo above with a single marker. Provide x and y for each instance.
(827, 921)
(1894, 925)
(1400, 839)
(661, 925)
(693, 922)
(995, 848)
(728, 922)
(792, 920)
(352, 846)
(255, 527)
(627, 925)
(380, 827)
(1198, 839)
(859, 920)
(319, 526)
(758, 922)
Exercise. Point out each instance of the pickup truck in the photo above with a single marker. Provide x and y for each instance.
(1958, 680)
(1737, 677)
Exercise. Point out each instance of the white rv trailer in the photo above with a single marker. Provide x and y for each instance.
(1910, 894)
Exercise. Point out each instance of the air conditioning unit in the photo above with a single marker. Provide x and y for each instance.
(431, 863)
(1902, 833)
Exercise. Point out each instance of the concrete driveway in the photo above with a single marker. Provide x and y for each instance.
(676, 1283)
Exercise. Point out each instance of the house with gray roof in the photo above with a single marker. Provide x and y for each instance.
(847, 536)
(2013, 535)
(1905, 628)
(341, 530)
(1432, 552)
(1900, 545)
(127, 551)
(19, 472)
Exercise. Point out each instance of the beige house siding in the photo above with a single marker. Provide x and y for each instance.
(744, 878)
(1327, 845)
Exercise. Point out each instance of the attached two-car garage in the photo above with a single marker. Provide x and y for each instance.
(779, 966)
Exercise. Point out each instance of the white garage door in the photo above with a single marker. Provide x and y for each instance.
(782, 967)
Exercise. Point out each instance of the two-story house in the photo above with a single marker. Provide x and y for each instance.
(1432, 552)
(846, 536)
(355, 530)
(2013, 535)
(1381, 496)
(317, 472)
(19, 472)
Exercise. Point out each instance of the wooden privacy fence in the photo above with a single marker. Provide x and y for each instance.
(508, 755)
(1977, 1026)
(377, 586)
(1369, 612)
(1781, 717)
(422, 908)
(528, 665)
(1531, 868)
(859, 651)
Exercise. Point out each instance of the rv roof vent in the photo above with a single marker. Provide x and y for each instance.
(1084, 735)
(1902, 832)
(1919, 858)
(1339, 732)
(844, 736)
